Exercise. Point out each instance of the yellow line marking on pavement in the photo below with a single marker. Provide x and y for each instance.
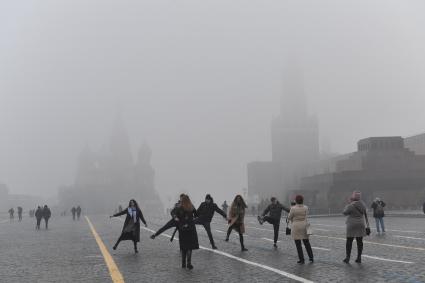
(116, 275)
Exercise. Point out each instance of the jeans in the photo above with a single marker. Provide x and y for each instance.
(380, 223)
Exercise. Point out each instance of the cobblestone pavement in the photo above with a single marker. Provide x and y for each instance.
(68, 252)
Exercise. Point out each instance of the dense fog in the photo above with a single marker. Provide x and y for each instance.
(199, 82)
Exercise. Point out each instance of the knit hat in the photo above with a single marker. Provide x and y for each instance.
(356, 195)
(208, 196)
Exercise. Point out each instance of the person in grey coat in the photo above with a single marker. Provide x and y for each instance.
(356, 228)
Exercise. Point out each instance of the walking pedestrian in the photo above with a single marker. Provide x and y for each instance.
(131, 228)
(38, 217)
(172, 222)
(299, 228)
(356, 227)
(46, 215)
(11, 214)
(188, 237)
(20, 213)
(236, 219)
(224, 207)
(378, 213)
(423, 207)
(78, 210)
(273, 214)
(205, 214)
(73, 211)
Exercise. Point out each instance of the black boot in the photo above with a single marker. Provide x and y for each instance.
(242, 245)
(299, 252)
(189, 260)
(348, 246)
(135, 247)
(309, 250)
(359, 250)
(183, 258)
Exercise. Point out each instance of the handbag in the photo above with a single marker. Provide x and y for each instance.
(288, 230)
(308, 228)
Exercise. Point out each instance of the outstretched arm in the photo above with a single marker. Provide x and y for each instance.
(219, 211)
(119, 213)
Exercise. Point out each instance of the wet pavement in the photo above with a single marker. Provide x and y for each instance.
(68, 252)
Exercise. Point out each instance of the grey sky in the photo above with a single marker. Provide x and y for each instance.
(199, 80)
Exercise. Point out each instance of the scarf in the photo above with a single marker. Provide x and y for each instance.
(133, 213)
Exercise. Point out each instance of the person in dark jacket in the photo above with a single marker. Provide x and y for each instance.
(38, 217)
(11, 214)
(378, 213)
(205, 214)
(20, 213)
(273, 214)
(236, 219)
(188, 238)
(224, 207)
(78, 210)
(73, 211)
(131, 228)
(423, 207)
(172, 222)
(46, 215)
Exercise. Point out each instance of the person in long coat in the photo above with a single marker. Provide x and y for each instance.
(131, 228)
(47, 213)
(188, 237)
(356, 228)
(298, 217)
(38, 217)
(236, 219)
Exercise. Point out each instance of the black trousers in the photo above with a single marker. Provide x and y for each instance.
(276, 225)
(38, 223)
(170, 224)
(207, 227)
(238, 229)
(349, 246)
(300, 249)
(46, 220)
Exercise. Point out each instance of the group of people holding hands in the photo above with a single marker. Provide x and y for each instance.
(185, 217)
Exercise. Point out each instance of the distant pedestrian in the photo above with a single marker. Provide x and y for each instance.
(120, 208)
(38, 217)
(78, 212)
(378, 213)
(11, 214)
(20, 213)
(131, 228)
(188, 238)
(299, 228)
(273, 214)
(172, 222)
(423, 207)
(224, 207)
(356, 227)
(46, 215)
(73, 211)
(205, 214)
(236, 219)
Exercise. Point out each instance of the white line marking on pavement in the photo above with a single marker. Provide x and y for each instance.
(4, 221)
(406, 237)
(219, 231)
(318, 248)
(270, 240)
(280, 272)
(386, 259)
(374, 243)
(391, 230)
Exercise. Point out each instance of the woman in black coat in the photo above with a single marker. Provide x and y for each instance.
(188, 238)
(131, 228)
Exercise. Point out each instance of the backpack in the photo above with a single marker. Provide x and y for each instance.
(379, 210)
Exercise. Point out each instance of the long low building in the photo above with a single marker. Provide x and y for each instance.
(381, 167)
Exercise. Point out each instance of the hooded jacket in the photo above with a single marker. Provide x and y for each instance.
(206, 211)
